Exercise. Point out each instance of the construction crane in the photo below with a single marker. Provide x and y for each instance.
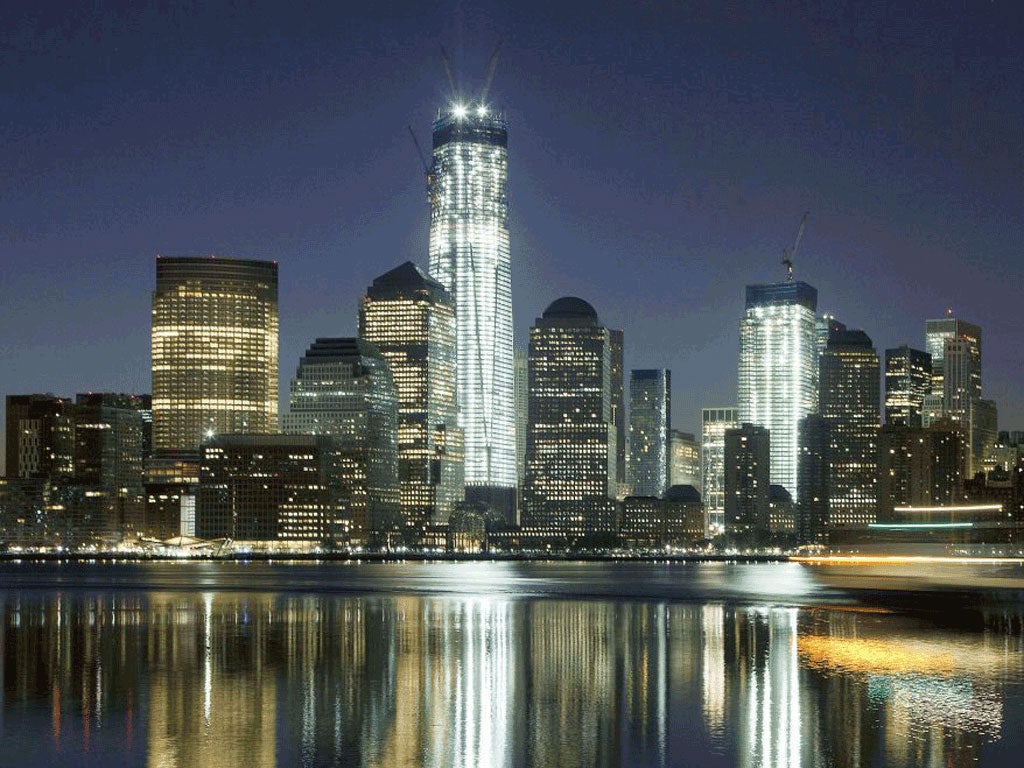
(789, 255)
(428, 172)
(491, 66)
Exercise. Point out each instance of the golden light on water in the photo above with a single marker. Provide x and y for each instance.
(869, 656)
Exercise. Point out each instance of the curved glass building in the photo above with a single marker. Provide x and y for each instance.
(470, 257)
(214, 345)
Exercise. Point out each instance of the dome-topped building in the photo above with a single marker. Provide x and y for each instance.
(571, 439)
(571, 308)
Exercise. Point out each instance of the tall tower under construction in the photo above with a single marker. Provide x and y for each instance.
(470, 257)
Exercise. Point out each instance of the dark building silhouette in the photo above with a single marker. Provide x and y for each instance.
(272, 488)
(747, 480)
(86, 457)
(920, 466)
(815, 459)
(40, 436)
(781, 511)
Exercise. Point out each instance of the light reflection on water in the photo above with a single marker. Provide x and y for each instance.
(166, 678)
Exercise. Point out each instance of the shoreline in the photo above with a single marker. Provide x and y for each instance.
(381, 557)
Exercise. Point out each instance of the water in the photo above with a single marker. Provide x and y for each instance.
(493, 664)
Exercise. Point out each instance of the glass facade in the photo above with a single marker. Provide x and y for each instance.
(650, 415)
(778, 369)
(908, 380)
(714, 423)
(936, 334)
(570, 445)
(343, 388)
(214, 345)
(411, 320)
(470, 256)
(522, 389)
(684, 459)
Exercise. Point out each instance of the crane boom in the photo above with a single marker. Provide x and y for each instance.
(789, 255)
(491, 66)
(448, 71)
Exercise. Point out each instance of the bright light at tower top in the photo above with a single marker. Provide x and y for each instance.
(461, 110)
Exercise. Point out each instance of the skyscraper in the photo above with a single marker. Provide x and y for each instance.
(908, 380)
(411, 320)
(617, 340)
(955, 346)
(214, 345)
(343, 388)
(470, 257)
(747, 486)
(570, 444)
(778, 370)
(650, 421)
(522, 400)
(936, 332)
(108, 464)
(714, 423)
(813, 479)
(848, 402)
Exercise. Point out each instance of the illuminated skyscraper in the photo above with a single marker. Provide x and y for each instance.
(411, 319)
(570, 444)
(955, 347)
(966, 357)
(214, 346)
(650, 421)
(470, 257)
(714, 422)
(908, 380)
(343, 388)
(778, 370)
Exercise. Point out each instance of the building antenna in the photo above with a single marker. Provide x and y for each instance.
(448, 71)
(789, 255)
(491, 66)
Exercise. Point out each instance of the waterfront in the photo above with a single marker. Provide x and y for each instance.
(493, 664)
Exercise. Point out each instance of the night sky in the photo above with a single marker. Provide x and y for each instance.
(661, 156)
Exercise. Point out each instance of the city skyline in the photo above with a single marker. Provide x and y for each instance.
(95, 331)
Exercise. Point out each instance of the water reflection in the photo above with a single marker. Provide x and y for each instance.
(256, 679)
